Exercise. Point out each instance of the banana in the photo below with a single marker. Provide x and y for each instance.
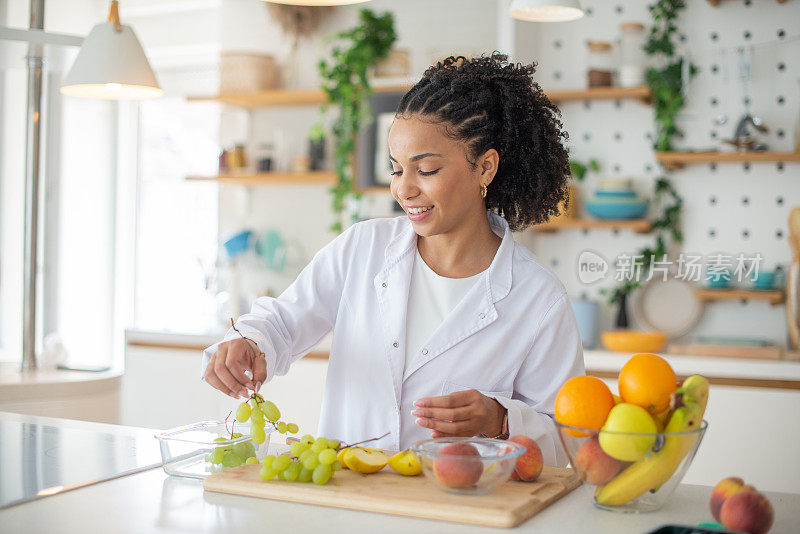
(694, 389)
(655, 469)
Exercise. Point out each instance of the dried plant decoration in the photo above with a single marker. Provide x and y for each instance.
(298, 21)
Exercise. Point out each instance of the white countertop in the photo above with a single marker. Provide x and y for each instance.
(152, 501)
(155, 502)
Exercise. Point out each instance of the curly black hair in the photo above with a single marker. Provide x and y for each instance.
(487, 102)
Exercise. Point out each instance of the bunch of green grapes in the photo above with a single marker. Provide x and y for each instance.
(261, 411)
(243, 452)
(310, 460)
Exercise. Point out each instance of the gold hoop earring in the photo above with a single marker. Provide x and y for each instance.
(483, 190)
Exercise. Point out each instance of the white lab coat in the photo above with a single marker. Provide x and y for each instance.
(513, 337)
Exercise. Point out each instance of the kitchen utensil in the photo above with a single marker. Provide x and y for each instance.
(616, 208)
(186, 450)
(633, 341)
(271, 247)
(238, 243)
(586, 312)
(494, 461)
(573, 438)
(389, 492)
(669, 306)
(727, 351)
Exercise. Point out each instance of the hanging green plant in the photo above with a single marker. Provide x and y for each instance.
(344, 80)
(666, 83)
(666, 86)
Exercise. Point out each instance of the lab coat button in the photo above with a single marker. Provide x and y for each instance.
(424, 351)
(483, 315)
(395, 344)
(383, 284)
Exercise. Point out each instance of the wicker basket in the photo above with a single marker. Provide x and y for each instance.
(242, 72)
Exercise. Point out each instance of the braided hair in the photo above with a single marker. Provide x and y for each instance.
(488, 103)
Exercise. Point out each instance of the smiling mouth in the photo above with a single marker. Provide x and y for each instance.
(417, 211)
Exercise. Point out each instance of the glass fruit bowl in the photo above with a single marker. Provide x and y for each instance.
(195, 451)
(470, 466)
(631, 472)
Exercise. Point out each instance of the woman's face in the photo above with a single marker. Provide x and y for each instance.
(432, 179)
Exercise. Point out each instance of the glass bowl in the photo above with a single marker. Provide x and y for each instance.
(468, 466)
(656, 463)
(188, 451)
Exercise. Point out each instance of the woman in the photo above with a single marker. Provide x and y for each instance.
(442, 324)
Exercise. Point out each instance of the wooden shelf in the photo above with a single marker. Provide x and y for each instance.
(677, 160)
(282, 97)
(602, 93)
(715, 3)
(640, 226)
(316, 97)
(773, 296)
(256, 178)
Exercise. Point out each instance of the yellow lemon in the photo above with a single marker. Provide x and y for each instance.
(405, 463)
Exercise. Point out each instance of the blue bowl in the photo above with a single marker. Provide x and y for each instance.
(614, 193)
(764, 280)
(616, 208)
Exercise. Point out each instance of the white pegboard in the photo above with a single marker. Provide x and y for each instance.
(728, 207)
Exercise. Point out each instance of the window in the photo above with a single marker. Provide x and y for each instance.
(176, 237)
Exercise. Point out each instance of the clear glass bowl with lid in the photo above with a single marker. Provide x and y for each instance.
(194, 450)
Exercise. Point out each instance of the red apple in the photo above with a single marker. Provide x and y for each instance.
(595, 466)
(724, 489)
(747, 510)
(529, 465)
(454, 468)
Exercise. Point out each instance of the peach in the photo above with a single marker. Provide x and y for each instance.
(454, 468)
(530, 464)
(724, 489)
(595, 466)
(747, 510)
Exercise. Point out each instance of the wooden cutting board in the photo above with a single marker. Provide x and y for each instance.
(390, 493)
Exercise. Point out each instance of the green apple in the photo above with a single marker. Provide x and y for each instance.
(629, 433)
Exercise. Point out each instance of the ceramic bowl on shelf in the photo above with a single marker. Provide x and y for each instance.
(471, 466)
(633, 341)
(614, 193)
(635, 485)
(616, 208)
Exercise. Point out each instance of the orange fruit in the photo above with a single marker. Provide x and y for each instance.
(583, 401)
(647, 380)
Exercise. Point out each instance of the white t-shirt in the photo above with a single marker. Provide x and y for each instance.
(431, 298)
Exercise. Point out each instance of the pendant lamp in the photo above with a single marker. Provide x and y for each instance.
(317, 3)
(546, 10)
(111, 65)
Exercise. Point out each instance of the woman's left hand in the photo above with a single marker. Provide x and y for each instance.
(463, 413)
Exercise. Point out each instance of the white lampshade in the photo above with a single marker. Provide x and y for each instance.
(317, 2)
(546, 10)
(111, 65)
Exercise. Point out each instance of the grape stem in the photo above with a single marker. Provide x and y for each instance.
(243, 337)
(365, 441)
(226, 423)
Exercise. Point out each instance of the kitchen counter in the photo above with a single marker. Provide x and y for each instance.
(605, 364)
(151, 501)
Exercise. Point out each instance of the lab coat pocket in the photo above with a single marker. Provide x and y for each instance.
(451, 387)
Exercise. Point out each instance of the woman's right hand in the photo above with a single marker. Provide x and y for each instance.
(227, 368)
